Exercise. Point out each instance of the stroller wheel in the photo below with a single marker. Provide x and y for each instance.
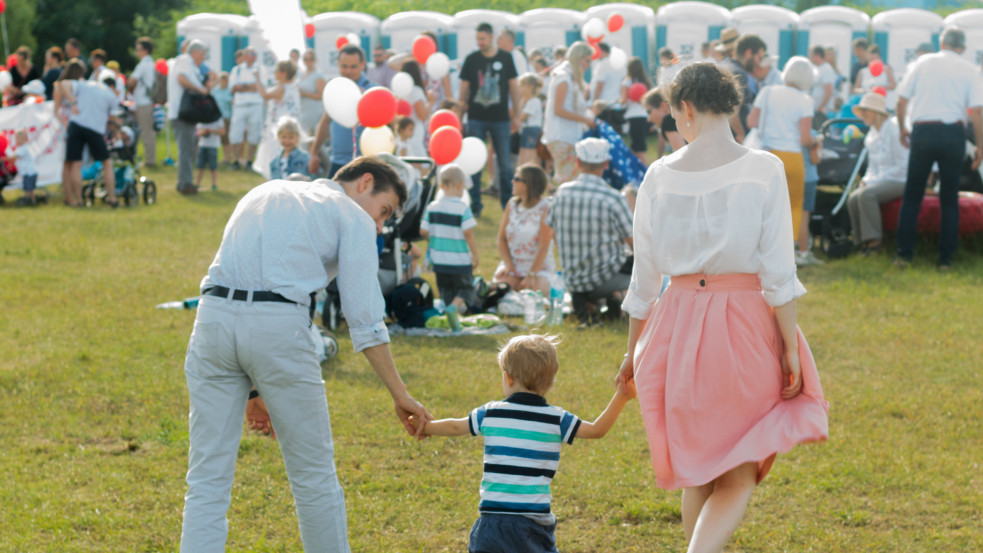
(149, 192)
(88, 194)
(130, 197)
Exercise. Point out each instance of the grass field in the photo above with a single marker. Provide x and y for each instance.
(93, 408)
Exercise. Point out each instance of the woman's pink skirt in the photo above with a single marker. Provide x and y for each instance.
(709, 379)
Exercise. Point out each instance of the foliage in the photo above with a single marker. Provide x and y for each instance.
(20, 18)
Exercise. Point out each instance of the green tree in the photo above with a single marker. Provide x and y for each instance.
(20, 19)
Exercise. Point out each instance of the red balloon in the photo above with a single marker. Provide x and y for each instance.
(876, 68)
(376, 107)
(597, 51)
(3, 6)
(341, 42)
(308, 29)
(636, 91)
(594, 41)
(11, 60)
(615, 22)
(423, 48)
(3, 143)
(161, 66)
(880, 90)
(444, 118)
(403, 108)
(445, 145)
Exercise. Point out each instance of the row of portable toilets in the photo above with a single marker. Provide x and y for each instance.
(682, 26)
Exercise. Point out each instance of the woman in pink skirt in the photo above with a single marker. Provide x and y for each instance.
(725, 380)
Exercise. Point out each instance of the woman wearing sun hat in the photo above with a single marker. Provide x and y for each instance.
(887, 171)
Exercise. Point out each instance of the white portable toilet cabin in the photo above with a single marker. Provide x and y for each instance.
(636, 37)
(399, 30)
(899, 32)
(222, 33)
(547, 28)
(971, 22)
(775, 25)
(461, 41)
(331, 25)
(685, 26)
(832, 26)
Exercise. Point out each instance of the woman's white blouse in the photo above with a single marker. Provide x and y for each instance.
(556, 128)
(735, 218)
(887, 158)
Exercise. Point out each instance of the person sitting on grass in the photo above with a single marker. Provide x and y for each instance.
(523, 435)
(453, 251)
(525, 243)
(290, 159)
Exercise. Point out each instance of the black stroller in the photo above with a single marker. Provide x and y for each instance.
(843, 163)
(121, 141)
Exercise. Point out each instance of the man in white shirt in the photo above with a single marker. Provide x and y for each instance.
(247, 110)
(606, 87)
(252, 332)
(140, 84)
(823, 88)
(506, 42)
(185, 75)
(936, 93)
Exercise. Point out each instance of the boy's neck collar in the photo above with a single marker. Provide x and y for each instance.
(527, 398)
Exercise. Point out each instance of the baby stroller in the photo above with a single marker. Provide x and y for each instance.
(121, 141)
(843, 163)
(397, 231)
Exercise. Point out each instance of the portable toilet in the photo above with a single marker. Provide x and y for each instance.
(637, 36)
(331, 25)
(899, 32)
(221, 32)
(775, 25)
(399, 30)
(971, 22)
(685, 26)
(547, 28)
(832, 26)
(464, 29)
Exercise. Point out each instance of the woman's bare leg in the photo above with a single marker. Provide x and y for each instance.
(723, 510)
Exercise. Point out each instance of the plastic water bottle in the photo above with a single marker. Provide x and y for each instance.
(529, 305)
(452, 318)
(557, 289)
(539, 309)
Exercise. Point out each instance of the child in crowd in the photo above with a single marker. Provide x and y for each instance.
(223, 97)
(290, 159)
(453, 252)
(598, 107)
(26, 166)
(531, 127)
(209, 141)
(405, 127)
(810, 157)
(523, 435)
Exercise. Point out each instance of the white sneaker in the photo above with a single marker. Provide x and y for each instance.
(807, 258)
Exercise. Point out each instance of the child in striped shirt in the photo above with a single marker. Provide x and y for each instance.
(523, 435)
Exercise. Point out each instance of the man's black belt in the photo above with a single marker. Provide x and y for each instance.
(262, 295)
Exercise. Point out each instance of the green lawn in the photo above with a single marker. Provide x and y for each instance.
(93, 407)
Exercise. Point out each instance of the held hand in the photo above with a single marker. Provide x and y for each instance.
(625, 380)
(592, 123)
(314, 165)
(905, 138)
(412, 414)
(791, 374)
(258, 417)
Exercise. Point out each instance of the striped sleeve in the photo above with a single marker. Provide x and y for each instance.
(475, 419)
(467, 219)
(569, 423)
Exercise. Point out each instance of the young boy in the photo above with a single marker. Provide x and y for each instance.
(453, 252)
(523, 435)
(223, 97)
(26, 166)
(209, 141)
(290, 159)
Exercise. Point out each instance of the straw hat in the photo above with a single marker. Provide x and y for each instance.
(872, 101)
(728, 38)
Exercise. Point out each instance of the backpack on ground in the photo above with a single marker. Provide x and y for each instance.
(410, 301)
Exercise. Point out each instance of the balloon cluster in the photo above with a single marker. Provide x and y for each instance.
(593, 32)
(343, 40)
(425, 53)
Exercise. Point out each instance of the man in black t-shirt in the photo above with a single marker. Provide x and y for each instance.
(488, 80)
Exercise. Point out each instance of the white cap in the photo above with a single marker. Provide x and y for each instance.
(35, 87)
(593, 150)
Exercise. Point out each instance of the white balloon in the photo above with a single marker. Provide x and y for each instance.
(340, 99)
(594, 28)
(354, 39)
(402, 85)
(5, 79)
(376, 140)
(618, 59)
(438, 64)
(473, 155)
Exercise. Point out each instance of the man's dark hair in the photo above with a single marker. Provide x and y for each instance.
(818, 51)
(605, 47)
(653, 99)
(350, 49)
(74, 43)
(146, 44)
(860, 43)
(485, 28)
(57, 53)
(99, 54)
(750, 42)
(384, 177)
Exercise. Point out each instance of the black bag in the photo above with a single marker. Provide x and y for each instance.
(409, 301)
(198, 108)
(835, 241)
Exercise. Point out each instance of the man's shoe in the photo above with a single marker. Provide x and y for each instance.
(901, 263)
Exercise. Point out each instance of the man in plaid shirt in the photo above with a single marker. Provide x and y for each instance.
(592, 225)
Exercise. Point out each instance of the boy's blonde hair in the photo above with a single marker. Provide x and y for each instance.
(531, 361)
(451, 175)
(532, 80)
(287, 124)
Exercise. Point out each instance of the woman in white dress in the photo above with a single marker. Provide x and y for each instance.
(420, 114)
(525, 242)
(867, 81)
(285, 96)
(566, 115)
(311, 86)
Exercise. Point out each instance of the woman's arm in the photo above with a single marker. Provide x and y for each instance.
(805, 132)
(503, 242)
(891, 82)
(318, 90)
(791, 372)
(560, 96)
(422, 110)
(752, 118)
(545, 238)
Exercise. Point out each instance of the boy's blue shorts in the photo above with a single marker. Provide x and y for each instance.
(494, 533)
(809, 196)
